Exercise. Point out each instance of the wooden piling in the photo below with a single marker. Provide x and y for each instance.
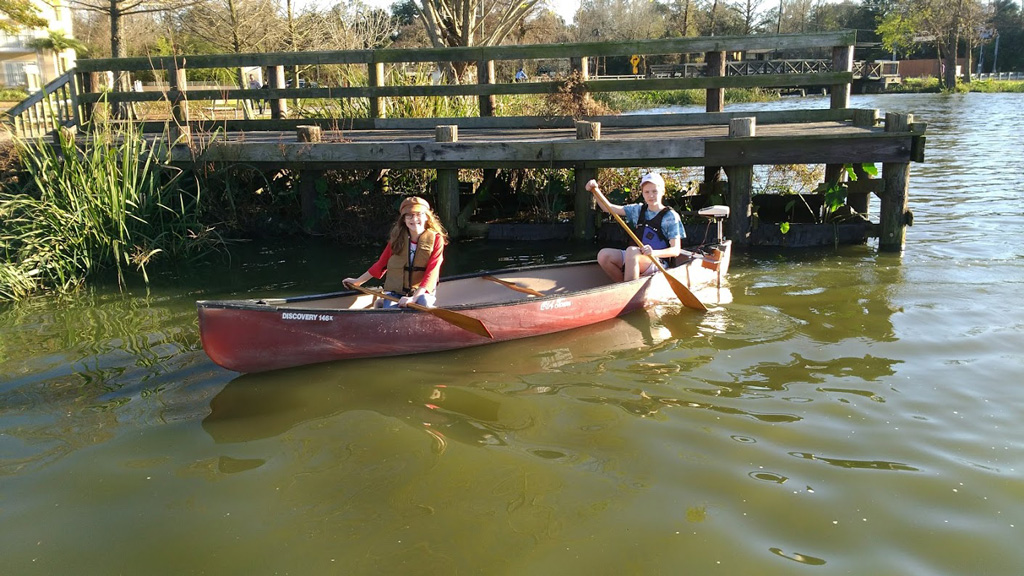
(308, 179)
(893, 214)
(714, 67)
(842, 61)
(583, 218)
(448, 185)
(741, 185)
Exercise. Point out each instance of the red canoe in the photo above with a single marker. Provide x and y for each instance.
(257, 335)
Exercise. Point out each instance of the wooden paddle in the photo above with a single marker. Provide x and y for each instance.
(461, 320)
(682, 292)
(513, 285)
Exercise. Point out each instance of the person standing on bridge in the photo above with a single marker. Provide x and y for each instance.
(411, 261)
(254, 84)
(659, 227)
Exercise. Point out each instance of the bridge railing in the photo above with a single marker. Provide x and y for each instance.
(385, 81)
(875, 70)
(53, 107)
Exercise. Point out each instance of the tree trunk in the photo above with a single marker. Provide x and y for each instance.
(967, 62)
(116, 35)
(949, 75)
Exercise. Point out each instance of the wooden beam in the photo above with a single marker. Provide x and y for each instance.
(379, 90)
(690, 45)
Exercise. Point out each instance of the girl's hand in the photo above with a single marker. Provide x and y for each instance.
(592, 185)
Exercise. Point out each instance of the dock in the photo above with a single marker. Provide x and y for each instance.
(725, 143)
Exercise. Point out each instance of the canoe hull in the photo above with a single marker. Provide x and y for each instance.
(257, 335)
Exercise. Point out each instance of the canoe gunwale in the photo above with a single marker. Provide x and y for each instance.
(274, 304)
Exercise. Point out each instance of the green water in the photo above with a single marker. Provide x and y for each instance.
(847, 413)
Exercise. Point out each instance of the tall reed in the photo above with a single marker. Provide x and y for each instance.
(109, 202)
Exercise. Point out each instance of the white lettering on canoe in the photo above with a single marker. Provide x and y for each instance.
(306, 316)
(555, 304)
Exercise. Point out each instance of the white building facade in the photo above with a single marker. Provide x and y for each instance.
(26, 67)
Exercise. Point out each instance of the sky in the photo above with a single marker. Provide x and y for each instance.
(564, 8)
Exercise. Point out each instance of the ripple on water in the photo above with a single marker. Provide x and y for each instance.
(755, 324)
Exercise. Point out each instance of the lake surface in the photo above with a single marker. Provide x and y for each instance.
(849, 412)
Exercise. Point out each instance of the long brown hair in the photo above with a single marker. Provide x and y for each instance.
(399, 235)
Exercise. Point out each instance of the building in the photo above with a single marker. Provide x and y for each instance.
(26, 67)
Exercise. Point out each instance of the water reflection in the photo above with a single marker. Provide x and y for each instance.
(473, 396)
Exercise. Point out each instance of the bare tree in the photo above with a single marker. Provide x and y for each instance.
(235, 26)
(451, 23)
(461, 22)
(117, 10)
(749, 12)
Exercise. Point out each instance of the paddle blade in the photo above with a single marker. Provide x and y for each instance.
(461, 320)
(683, 293)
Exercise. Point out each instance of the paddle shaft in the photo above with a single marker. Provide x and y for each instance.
(681, 290)
(513, 285)
(461, 320)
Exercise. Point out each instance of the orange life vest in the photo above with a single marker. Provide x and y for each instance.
(404, 277)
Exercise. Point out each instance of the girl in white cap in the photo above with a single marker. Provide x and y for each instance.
(657, 226)
(411, 261)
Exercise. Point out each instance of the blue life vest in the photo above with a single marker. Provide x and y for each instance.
(649, 231)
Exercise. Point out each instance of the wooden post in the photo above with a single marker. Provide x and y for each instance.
(310, 133)
(485, 75)
(856, 199)
(278, 106)
(741, 185)
(179, 132)
(378, 105)
(308, 179)
(842, 61)
(581, 65)
(448, 185)
(866, 118)
(584, 204)
(893, 213)
(90, 83)
(714, 67)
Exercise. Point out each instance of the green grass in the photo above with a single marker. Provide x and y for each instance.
(631, 101)
(12, 94)
(931, 85)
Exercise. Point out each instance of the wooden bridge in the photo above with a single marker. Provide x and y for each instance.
(716, 139)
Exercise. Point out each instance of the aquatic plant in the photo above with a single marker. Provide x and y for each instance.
(108, 201)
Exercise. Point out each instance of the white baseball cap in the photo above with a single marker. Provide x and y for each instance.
(654, 178)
